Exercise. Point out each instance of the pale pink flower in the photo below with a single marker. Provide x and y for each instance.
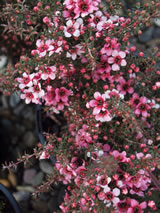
(48, 72)
(104, 24)
(83, 138)
(73, 28)
(103, 116)
(75, 51)
(96, 18)
(43, 47)
(117, 60)
(26, 80)
(111, 196)
(28, 96)
(37, 91)
(103, 181)
(57, 47)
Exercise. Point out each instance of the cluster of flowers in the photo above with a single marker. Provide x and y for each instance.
(109, 189)
(85, 66)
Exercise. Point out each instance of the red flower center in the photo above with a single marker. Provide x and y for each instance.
(70, 29)
(109, 196)
(96, 20)
(117, 59)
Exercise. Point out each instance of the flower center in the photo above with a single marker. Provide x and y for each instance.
(96, 20)
(142, 106)
(84, 7)
(136, 101)
(125, 86)
(100, 102)
(43, 48)
(117, 60)
(109, 196)
(136, 210)
(70, 30)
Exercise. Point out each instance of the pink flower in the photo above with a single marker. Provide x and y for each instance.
(73, 28)
(50, 96)
(37, 91)
(136, 207)
(62, 94)
(26, 81)
(111, 196)
(43, 47)
(69, 4)
(134, 100)
(84, 7)
(117, 60)
(120, 156)
(76, 50)
(48, 72)
(61, 105)
(103, 181)
(125, 86)
(103, 116)
(123, 205)
(101, 195)
(98, 104)
(95, 19)
(28, 96)
(142, 107)
(69, 14)
(83, 138)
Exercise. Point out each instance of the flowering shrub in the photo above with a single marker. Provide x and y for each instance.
(84, 65)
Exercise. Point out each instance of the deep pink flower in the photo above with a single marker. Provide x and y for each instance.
(83, 138)
(120, 156)
(134, 100)
(62, 94)
(123, 205)
(142, 107)
(136, 207)
(125, 86)
(50, 96)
